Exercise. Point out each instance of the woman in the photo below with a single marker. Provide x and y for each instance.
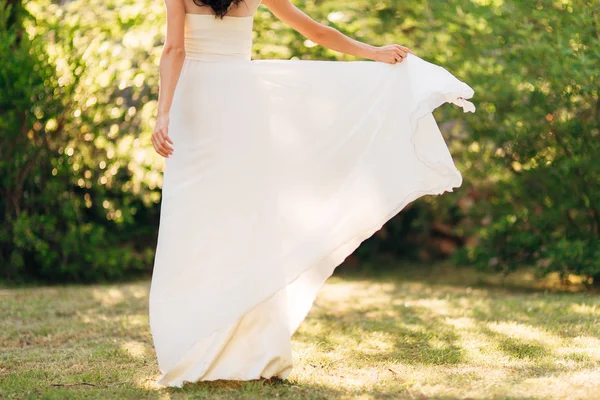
(276, 171)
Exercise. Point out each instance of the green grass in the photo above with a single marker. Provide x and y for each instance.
(418, 333)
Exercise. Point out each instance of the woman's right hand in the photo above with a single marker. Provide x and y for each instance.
(160, 137)
(391, 54)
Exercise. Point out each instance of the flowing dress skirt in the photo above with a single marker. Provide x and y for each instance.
(280, 170)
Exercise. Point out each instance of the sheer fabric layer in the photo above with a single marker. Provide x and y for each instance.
(281, 169)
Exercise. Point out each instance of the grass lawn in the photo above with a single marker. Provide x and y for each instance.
(417, 333)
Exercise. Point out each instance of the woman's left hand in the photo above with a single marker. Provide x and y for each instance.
(391, 54)
(160, 137)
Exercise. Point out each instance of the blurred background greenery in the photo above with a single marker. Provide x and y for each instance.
(80, 182)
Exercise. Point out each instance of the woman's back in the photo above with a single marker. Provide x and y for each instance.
(210, 38)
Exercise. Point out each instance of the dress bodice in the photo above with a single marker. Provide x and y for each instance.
(213, 39)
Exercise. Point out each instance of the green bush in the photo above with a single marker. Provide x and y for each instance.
(532, 156)
(50, 229)
(81, 187)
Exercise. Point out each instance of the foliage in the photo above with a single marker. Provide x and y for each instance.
(52, 229)
(534, 145)
(90, 201)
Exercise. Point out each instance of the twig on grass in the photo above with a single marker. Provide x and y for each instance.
(73, 384)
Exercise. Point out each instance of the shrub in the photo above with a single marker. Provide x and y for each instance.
(49, 229)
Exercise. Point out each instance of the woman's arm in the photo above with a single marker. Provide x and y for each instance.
(171, 62)
(332, 38)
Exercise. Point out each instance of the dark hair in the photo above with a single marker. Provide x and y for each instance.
(219, 7)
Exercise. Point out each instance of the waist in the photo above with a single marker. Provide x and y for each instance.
(205, 56)
(209, 52)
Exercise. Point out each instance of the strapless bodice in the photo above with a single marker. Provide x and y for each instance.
(213, 39)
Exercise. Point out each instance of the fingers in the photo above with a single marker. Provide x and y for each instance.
(160, 141)
(157, 147)
(164, 136)
(394, 53)
(162, 133)
(163, 151)
(402, 52)
(399, 53)
(165, 148)
(166, 140)
(407, 50)
(404, 49)
(399, 56)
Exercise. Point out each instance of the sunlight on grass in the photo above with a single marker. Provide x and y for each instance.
(108, 297)
(392, 337)
(135, 349)
(584, 309)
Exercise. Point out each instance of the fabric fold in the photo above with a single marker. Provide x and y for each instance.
(281, 169)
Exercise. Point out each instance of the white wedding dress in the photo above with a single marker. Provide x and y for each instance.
(281, 169)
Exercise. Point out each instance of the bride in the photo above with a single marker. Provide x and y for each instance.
(275, 172)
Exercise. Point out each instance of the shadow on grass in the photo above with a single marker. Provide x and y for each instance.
(287, 389)
(561, 310)
(446, 334)
(420, 338)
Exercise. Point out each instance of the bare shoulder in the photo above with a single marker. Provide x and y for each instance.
(175, 7)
